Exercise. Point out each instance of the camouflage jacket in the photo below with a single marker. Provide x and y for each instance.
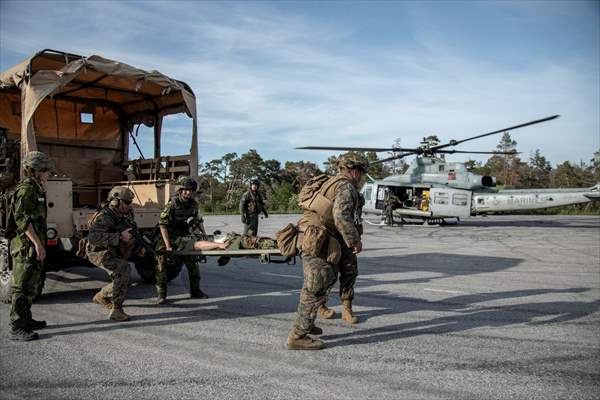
(175, 215)
(346, 212)
(391, 200)
(252, 203)
(105, 233)
(28, 207)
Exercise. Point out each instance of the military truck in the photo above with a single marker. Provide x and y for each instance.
(85, 113)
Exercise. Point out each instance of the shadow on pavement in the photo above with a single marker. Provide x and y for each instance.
(246, 288)
(467, 313)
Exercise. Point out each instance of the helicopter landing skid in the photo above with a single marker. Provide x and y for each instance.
(375, 223)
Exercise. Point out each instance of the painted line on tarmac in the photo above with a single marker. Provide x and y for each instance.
(282, 275)
(444, 291)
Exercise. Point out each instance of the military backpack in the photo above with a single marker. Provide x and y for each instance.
(313, 197)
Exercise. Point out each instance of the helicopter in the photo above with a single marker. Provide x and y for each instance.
(433, 190)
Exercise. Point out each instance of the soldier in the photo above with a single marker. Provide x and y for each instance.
(330, 242)
(390, 203)
(174, 227)
(348, 275)
(251, 205)
(110, 244)
(28, 219)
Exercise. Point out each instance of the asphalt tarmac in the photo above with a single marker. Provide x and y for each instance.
(503, 307)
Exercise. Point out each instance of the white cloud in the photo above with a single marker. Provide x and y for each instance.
(271, 80)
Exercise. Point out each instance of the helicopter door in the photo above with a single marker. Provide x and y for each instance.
(446, 202)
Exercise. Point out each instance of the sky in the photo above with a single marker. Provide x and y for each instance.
(272, 76)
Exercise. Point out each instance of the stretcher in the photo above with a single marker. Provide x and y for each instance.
(266, 256)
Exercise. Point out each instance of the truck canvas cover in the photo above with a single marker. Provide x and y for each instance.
(45, 96)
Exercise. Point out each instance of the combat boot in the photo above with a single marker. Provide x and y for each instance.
(198, 294)
(304, 343)
(325, 312)
(162, 296)
(22, 334)
(117, 314)
(315, 330)
(347, 312)
(103, 301)
(34, 325)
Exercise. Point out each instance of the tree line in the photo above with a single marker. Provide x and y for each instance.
(224, 180)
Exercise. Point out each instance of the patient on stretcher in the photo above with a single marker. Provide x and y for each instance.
(229, 241)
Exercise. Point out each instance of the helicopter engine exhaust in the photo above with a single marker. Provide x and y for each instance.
(488, 181)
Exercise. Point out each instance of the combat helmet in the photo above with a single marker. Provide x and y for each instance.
(255, 181)
(353, 161)
(121, 193)
(186, 183)
(37, 161)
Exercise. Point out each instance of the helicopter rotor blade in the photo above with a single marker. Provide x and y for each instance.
(456, 142)
(477, 152)
(373, 149)
(392, 158)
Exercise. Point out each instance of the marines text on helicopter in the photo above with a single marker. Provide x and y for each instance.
(434, 190)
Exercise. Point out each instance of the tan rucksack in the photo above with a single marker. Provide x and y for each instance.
(287, 240)
(312, 197)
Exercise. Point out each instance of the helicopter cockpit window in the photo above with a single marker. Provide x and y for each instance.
(441, 198)
(459, 199)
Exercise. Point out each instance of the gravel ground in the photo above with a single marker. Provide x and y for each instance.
(503, 307)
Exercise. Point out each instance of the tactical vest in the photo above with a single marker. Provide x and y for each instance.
(114, 220)
(254, 206)
(181, 213)
(318, 205)
(118, 224)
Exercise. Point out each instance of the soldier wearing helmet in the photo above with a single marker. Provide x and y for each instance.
(252, 204)
(331, 239)
(174, 227)
(109, 246)
(27, 216)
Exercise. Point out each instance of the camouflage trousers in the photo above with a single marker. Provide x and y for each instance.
(162, 263)
(27, 273)
(191, 265)
(251, 225)
(348, 269)
(319, 277)
(118, 270)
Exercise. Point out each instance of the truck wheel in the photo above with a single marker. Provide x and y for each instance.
(145, 266)
(5, 272)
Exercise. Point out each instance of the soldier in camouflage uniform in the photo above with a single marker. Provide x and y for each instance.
(109, 245)
(27, 247)
(390, 203)
(251, 205)
(174, 228)
(348, 273)
(329, 245)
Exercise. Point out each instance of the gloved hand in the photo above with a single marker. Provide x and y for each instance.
(266, 215)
